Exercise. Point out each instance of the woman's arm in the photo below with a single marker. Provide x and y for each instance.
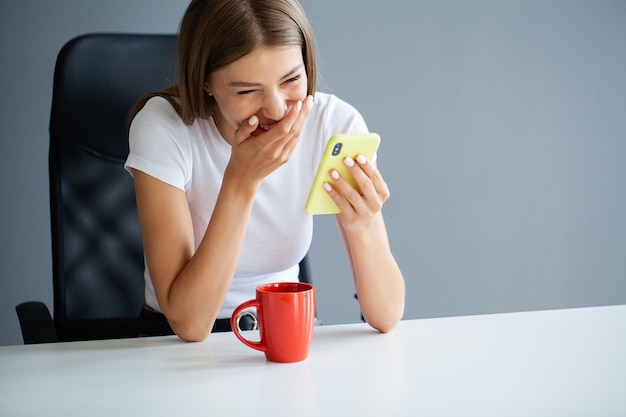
(190, 285)
(377, 277)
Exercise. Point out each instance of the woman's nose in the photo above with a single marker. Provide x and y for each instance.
(274, 106)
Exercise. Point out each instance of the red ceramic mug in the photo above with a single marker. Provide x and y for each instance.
(286, 316)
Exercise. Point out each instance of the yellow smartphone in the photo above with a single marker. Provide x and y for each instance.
(339, 147)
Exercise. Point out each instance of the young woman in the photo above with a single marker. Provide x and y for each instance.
(223, 162)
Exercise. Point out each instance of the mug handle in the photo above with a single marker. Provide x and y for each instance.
(234, 324)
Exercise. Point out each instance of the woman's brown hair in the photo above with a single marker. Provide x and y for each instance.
(215, 33)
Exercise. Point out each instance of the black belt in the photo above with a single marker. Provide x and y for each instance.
(154, 323)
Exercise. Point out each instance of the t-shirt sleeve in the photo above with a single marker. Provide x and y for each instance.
(157, 144)
(339, 117)
(343, 118)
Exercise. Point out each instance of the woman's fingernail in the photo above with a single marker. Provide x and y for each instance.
(253, 120)
(309, 102)
(298, 105)
(361, 159)
(334, 174)
(327, 186)
(348, 161)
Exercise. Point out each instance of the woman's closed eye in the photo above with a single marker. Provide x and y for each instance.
(292, 79)
(287, 81)
(244, 92)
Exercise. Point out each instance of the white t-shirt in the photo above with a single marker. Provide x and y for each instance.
(193, 158)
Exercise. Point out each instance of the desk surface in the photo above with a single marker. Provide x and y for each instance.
(548, 363)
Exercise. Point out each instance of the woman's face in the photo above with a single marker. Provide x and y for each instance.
(267, 83)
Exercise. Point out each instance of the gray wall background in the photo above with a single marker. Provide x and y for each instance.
(504, 145)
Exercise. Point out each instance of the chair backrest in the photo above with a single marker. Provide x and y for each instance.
(96, 242)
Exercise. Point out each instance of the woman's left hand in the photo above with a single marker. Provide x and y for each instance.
(377, 277)
(358, 208)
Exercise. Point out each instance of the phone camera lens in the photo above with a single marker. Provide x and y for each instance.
(337, 149)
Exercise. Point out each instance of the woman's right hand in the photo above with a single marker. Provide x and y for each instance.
(255, 157)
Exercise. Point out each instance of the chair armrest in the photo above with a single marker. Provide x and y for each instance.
(36, 323)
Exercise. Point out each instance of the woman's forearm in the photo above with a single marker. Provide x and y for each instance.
(197, 294)
(191, 285)
(377, 277)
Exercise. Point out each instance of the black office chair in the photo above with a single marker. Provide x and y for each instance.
(97, 251)
(96, 242)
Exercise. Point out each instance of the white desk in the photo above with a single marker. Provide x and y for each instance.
(550, 363)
